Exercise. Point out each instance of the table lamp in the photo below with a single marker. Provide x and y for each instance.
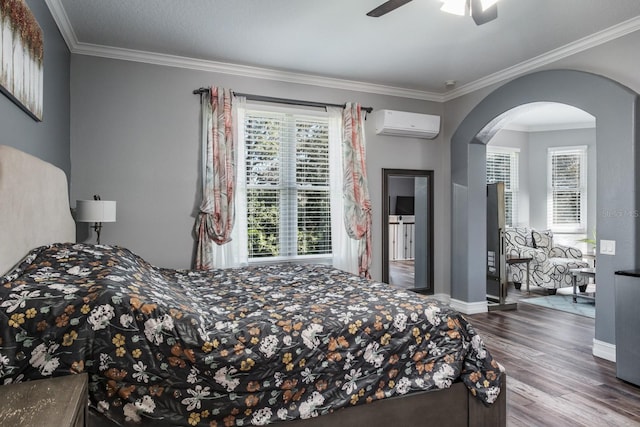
(96, 211)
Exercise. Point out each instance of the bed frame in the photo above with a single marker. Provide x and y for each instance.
(34, 211)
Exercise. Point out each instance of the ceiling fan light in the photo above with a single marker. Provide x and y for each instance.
(486, 4)
(456, 7)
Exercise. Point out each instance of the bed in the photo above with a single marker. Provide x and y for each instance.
(285, 345)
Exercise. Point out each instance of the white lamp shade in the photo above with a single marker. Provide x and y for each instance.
(95, 211)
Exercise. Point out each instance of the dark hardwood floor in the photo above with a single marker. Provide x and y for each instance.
(553, 378)
(401, 273)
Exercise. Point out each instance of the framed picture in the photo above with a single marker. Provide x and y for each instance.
(22, 57)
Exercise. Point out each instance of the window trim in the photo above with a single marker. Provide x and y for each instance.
(249, 108)
(582, 151)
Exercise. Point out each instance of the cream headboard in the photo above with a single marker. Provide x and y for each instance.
(34, 206)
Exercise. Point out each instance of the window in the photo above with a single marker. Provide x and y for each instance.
(287, 184)
(502, 166)
(567, 189)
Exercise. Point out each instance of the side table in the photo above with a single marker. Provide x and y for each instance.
(575, 272)
(590, 258)
(522, 260)
(52, 402)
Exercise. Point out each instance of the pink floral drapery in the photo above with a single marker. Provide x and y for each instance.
(217, 215)
(357, 204)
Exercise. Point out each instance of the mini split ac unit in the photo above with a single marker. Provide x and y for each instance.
(402, 123)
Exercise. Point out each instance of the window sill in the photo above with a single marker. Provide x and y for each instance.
(305, 259)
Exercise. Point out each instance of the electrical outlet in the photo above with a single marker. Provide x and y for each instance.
(607, 247)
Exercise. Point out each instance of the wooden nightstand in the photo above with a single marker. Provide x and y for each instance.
(55, 402)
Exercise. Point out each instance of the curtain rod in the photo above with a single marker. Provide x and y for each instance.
(283, 100)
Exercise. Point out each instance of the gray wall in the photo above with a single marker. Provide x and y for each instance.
(135, 139)
(616, 60)
(49, 139)
(615, 109)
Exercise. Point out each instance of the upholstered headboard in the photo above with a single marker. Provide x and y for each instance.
(34, 206)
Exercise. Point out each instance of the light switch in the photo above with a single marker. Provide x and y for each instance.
(607, 247)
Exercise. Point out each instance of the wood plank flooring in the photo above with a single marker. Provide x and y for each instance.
(402, 273)
(553, 378)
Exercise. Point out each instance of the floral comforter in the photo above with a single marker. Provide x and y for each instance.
(228, 347)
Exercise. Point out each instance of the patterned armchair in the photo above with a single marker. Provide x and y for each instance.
(550, 264)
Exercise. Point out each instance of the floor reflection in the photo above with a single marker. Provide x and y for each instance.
(401, 273)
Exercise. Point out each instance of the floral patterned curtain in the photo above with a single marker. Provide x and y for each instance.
(357, 204)
(216, 218)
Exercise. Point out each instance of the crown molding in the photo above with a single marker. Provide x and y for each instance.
(248, 71)
(548, 127)
(62, 21)
(76, 47)
(588, 42)
(80, 48)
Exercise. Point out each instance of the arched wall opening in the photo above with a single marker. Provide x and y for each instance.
(615, 108)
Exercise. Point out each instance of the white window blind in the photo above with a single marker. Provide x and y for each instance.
(287, 173)
(567, 189)
(502, 166)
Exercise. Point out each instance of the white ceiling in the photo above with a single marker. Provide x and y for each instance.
(415, 48)
(409, 52)
(547, 116)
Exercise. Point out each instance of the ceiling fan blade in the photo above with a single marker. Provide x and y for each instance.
(387, 7)
(482, 17)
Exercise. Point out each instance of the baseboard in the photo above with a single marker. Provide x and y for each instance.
(469, 307)
(604, 350)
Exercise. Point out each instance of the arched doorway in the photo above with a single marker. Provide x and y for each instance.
(615, 108)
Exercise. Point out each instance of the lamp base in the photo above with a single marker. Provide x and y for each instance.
(98, 228)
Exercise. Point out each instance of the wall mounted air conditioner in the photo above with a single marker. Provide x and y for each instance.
(402, 123)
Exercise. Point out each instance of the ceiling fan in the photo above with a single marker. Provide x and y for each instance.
(482, 11)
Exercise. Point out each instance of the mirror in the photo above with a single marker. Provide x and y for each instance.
(407, 229)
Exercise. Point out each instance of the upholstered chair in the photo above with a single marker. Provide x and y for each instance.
(550, 263)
